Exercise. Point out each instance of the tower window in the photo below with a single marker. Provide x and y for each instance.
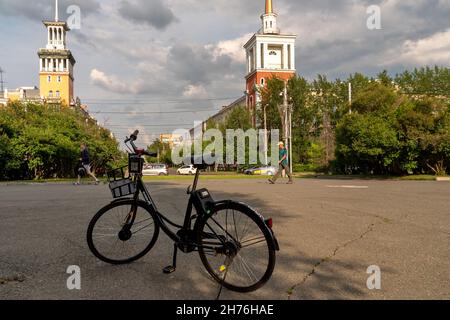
(58, 94)
(262, 55)
(262, 81)
(49, 79)
(59, 78)
(50, 94)
(289, 57)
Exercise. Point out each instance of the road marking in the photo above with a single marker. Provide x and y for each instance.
(349, 187)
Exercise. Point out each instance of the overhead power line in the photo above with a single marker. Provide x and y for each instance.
(150, 101)
(149, 125)
(153, 112)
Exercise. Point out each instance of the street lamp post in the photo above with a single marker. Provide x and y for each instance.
(290, 138)
(266, 142)
(287, 109)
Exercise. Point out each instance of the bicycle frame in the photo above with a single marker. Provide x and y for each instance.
(161, 219)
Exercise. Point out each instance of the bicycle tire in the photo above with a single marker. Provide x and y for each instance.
(108, 208)
(204, 232)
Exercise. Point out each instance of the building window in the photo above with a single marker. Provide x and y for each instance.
(272, 53)
(262, 81)
(50, 94)
(58, 94)
(59, 78)
(271, 24)
(49, 79)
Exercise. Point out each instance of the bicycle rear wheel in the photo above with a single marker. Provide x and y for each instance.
(122, 232)
(236, 247)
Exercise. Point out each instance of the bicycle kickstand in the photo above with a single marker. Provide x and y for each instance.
(173, 267)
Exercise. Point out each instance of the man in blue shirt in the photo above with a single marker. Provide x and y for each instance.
(283, 165)
(86, 163)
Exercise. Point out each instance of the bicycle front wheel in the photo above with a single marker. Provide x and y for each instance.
(122, 232)
(236, 247)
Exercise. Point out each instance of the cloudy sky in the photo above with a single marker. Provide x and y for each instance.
(162, 59)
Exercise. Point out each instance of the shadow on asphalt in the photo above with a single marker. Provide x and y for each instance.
(296, 276)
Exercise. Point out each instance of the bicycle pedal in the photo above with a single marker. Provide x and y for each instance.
(169, 269)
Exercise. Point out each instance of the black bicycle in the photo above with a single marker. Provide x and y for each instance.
(236, 244)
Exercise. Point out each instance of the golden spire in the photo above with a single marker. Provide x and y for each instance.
(269, 7)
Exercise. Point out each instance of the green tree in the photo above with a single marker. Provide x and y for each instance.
(366, 143)
(43, 141)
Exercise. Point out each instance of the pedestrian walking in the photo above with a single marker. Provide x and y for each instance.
(283, 165)
(86, 164)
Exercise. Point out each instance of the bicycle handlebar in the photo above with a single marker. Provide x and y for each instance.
(133, 138)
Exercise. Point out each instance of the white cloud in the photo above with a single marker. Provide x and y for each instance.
(110, 83)
(431, 50)
(232, 48)
(195, 92)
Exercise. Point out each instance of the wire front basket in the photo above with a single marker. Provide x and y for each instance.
(120, 183)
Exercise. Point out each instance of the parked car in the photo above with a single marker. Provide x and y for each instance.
(262, 171)
(187, 170)
(151, 169)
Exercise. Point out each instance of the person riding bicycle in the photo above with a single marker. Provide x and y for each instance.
(86, 164)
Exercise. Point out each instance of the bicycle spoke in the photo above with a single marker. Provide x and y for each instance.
(247, 268)
(143, 228)
(222, 229)
(253, 240)
(235, 228)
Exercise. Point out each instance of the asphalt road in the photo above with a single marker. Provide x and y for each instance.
(330, 232)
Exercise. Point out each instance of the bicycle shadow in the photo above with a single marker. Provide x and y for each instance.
(297, 275)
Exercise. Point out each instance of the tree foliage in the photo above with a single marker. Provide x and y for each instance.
(41, 141)
(394, 125)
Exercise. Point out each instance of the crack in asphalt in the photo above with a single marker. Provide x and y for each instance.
(16, 278)
(291, 290)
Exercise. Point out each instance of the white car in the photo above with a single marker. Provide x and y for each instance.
(187, 170)
(155, 170)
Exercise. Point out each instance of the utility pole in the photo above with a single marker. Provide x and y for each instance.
(266, 142)
(288, 126)
(290, 138)
(350, 97)
(1, 80)
(285, 111)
